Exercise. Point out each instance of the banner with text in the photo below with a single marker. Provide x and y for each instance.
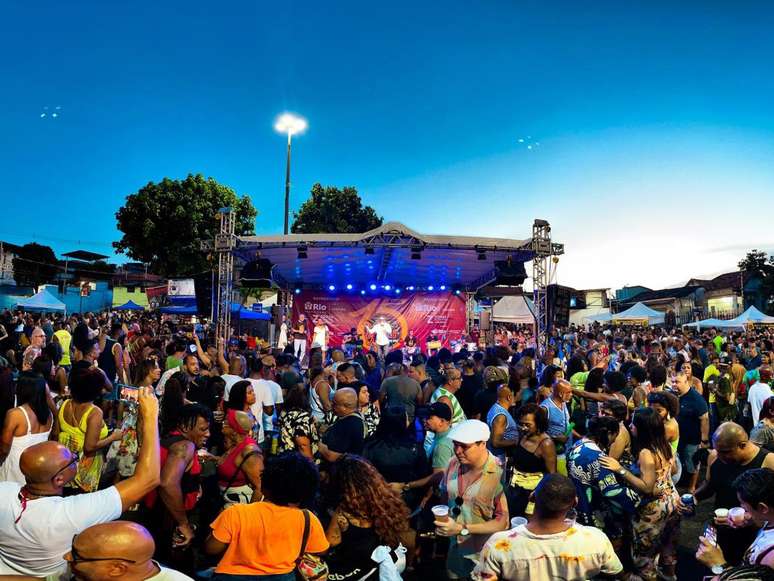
(426, 314)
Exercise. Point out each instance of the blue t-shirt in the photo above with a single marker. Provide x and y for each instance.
(600, 495)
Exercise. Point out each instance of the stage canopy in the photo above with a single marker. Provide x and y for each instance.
(41, 301)
(391, 255)
(516, 309)
(129, 306)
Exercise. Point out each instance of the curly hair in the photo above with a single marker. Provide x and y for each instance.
(364, 493)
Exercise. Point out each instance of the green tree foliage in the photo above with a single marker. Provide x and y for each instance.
(761, 265)
(334, 210)
(164, 223)
(35, 265)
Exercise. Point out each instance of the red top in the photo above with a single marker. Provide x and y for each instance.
(228, 468)
(189, 483)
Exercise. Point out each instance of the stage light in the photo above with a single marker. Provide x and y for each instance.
(362, 292)
(457, 292)
(411, 288)
(298, 291)
(397, 291)
(349, 287)
(372, 287)
(443, 287)
(387, 287)
(331, 287)
(431, 287)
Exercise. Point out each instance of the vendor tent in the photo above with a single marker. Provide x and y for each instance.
(751, 316)
(706, 324)
(600, 318)
(517, 310)
(639, 313)
(41, 301)
(129, 306)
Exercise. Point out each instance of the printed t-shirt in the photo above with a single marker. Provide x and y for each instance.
(264, 538)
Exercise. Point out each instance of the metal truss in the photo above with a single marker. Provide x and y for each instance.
(225, 242)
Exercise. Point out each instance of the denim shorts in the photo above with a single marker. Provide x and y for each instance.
(686, 454)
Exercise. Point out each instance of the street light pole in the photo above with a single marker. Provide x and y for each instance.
(287, 185)
(289, 124)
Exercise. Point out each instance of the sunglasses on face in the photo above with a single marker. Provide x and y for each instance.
(73, 460)
(75, 557)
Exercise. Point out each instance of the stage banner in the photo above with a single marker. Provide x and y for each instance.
(439, 314)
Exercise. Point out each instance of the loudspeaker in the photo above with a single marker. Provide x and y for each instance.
(203, 291)
(510, 273)
(257, 273)
(485, 321)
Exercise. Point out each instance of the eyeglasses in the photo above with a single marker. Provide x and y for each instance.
(76, 558)
(73, 460)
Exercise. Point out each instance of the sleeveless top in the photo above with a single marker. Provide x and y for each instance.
(315, 403)
(228, 470)
(89, 467)
(723, 475)
(190, 483)
(107, 361)
(458, 415)
(9, 470)
(525, 461)
(511, 430)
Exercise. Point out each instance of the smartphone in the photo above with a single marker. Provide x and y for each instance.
(130, 393)
(192, 348)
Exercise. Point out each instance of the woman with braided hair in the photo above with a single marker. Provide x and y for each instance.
(368, 514)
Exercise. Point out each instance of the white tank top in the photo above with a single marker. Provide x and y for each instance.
(9, 470)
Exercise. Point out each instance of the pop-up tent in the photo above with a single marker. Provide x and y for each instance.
(639, 313)
(41, 301)
(751, 316)
(706, 324)
(518, 310)
(129, 306)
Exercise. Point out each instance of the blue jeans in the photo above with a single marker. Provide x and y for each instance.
(277, 577)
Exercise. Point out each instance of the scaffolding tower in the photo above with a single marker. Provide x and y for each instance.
(225, 241)
(544, 250)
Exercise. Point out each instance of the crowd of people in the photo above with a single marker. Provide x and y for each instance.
(143, 449)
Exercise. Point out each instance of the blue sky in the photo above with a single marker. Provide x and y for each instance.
(654, 119)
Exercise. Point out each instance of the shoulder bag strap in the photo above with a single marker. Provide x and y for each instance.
(304, 538)
(238, 469)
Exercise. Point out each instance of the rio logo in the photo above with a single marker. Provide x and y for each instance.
(315, 307)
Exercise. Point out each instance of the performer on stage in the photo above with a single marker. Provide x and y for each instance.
(352, 342)
(383, 331)
(299, 339)
(320, 335)
(411, 348)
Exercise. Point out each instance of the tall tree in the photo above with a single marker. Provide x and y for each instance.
(163, 223)
(35, 265)
(761, 265)
(334, 210)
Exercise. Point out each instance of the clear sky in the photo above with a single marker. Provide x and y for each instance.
(651, 123)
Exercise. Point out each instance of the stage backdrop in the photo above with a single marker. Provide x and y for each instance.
(441, 314)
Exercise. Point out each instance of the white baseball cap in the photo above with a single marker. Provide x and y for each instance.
(469, 432)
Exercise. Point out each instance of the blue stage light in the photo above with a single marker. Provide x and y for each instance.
(362, 292)
(349, 287)
(411, 288)
(397, 291)
(387, 287)
(331, 287)
(372, 287)
(457, 292)
(443, 287)
(298, 291)
(431, 287)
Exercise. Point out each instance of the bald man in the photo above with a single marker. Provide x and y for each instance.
(117, 550)
(733, 454)
(559, 415)
(37, 524)
(347, 433)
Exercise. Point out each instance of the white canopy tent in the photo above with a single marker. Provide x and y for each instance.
(751, 316)
(706, 324)
(518, 310)
(638, 313)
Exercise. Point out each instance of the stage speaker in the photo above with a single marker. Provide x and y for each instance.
(203, 291)
(510, 273)
(485, 321)
(257, 273)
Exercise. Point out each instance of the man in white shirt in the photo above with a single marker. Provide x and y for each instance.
(265, 395)
(117, 550)
(760, 392)
(235, 372)
(37, 524)
(383, 331)
(549, 546)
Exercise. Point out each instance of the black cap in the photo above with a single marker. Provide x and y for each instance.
(441, 410)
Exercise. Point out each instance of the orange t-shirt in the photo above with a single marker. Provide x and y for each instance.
(264, 539)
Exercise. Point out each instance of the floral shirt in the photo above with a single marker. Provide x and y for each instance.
(576, 553)
(370, 415)
(294, 423)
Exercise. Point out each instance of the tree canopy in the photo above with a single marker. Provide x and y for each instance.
(334, 210)
(164, 223)
(34, 265)
(761, 265)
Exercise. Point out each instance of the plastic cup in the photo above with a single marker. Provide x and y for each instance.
(440, 512)
(737, 515)
(518, 521)
(721, 515)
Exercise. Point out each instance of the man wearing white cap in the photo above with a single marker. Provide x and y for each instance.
(472, 486)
